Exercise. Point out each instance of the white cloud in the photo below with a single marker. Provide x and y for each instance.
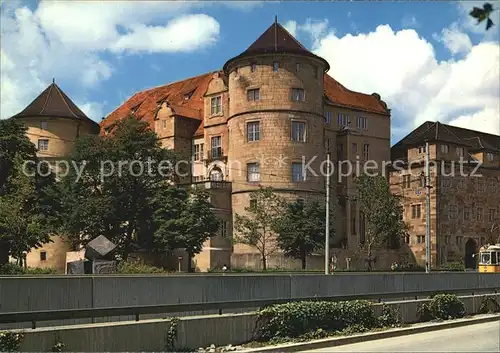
(291, 26)
(402, 67)
(67, 40)
(410, 22)
(454, 39)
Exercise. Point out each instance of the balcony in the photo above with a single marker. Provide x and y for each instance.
(215, 154)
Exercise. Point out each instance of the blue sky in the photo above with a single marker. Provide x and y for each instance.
(417, 55)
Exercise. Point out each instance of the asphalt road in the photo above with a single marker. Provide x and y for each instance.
(473, 338)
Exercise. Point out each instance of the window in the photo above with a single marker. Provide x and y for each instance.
(459, 240)
(466, 213)
(253, 172)
(480, 184)
(342, 119)
(420, 239)
(362, 123)
(216, 146)
(493, 185)
(253, 94)
(198, 152)
(328, 117)
(460, 151)
(421, 149)
(453, 212)
(406, 181)
(479, 214)
(416, 211)
(340, 152)
(253, 131)
(43, 145)
(366, 151)
(216, 105)
(223, 229)
(43, 255)
(298, 172)
(445, 149)
(253, 67)
(298, 131)
(216, 174)
(492, 214)
(188, 95)
(298, 67)
(446, 182)
(354, 148)
(298, 94)
(490, 157)
(43, 125)
(276, 66)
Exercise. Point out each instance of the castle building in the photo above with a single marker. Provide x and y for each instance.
(257, 122)
(53, 122)
(464, 194)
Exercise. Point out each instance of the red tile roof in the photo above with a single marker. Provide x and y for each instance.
(145, 103)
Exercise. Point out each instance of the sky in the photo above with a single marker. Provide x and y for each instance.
(427, 60)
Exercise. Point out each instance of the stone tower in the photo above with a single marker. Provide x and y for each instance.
(276, 117)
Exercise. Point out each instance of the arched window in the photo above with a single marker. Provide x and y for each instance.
(216, 174)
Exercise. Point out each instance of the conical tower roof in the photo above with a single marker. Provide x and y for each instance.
(53, 102)
(276, 39)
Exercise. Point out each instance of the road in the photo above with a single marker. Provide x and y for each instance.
(473, 338)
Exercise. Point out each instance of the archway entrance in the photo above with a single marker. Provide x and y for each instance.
(470, 250)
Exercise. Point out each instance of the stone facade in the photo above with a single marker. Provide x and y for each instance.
(270, 107)
(464, 197)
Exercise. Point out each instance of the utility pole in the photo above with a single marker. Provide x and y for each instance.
(327, 208)
(427, 210)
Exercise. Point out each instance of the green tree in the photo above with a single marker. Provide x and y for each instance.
(382, 212)
(482, 14)
(256, 228)
(301, 229)
(184, 220)
(111, 187)
(26, 216)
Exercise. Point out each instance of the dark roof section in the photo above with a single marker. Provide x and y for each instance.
(435, 131)
(53, 102)
(276, 39)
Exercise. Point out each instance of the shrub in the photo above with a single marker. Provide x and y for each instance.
(13, 269)
(292, 320)
(442, 307)
(10, 341)
(453, 266)
(136, 268)
(389, 317)
(489, 305)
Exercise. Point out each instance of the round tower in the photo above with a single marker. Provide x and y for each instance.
(276, 122)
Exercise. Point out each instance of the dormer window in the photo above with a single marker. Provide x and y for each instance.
(188, 95)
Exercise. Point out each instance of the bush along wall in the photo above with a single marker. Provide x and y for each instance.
(442, 307)
(298, 321)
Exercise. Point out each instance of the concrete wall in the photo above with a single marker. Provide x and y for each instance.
(193, 332)
(71, 292)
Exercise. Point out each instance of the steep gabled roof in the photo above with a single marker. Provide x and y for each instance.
(437, 132)
(53, 102)
(184, 97)
(276, 39)
(339, 95)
